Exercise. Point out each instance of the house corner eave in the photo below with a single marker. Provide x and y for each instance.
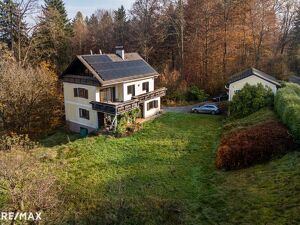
(95, 74)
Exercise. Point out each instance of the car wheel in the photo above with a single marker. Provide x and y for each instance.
(213, 113)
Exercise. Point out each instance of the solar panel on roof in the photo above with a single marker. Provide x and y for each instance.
(97, 59)
(110, 70)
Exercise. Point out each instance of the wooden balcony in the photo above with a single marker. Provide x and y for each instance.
(118, 108)
(76, 79)
(115, 108)
(151, 95)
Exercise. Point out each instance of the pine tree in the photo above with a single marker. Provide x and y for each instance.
(120, 26)
(59, 6)
(9, 23)
(53, 35)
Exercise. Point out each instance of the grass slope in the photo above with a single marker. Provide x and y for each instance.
(165, 174)
(258, 117)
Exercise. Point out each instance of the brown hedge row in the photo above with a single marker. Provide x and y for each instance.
(253, 145)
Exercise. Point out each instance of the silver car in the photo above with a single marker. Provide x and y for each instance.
(207, 109)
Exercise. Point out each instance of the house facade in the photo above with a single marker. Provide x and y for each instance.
(99, 88)
(253, 77)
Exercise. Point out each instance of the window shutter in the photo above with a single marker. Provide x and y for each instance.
(87, 114)
(156, 104)
(86, 94)
(75, 92)
(148, 106)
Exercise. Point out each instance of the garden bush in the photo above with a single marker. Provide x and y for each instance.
(13, 141)
(127, 122)
(250, 99)
(196, 94)
(287, 106)
(253, 145)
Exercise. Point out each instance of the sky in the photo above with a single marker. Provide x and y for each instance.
(88, 7)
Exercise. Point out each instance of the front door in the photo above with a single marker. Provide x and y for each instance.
(142, 110)
(100, 120)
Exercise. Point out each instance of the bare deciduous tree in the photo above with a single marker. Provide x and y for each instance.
(29, 98)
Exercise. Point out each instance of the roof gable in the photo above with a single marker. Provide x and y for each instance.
(111, 68)
(250, 72)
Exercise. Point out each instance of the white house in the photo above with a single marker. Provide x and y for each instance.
(99, 88)
(253, 77)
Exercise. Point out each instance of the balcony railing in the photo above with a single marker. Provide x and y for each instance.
(115, 108)
(151, 95)
(118, 108)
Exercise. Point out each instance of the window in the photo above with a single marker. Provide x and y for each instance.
(81, 93)
(131, 90)
(152, 105)
(85, 114)
(108, 95)
(236, 91)
(146, 86)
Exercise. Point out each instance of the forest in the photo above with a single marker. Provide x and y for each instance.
(193, 44)
(165, 173)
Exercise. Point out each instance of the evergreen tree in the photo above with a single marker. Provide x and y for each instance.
(59, 6)
(9, 23)
(92, 26)
(53, 35)
(80, 34)
(120, 26)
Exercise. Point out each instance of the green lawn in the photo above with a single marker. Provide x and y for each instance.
(165, 174)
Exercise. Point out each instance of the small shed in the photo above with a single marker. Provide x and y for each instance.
(251, 76)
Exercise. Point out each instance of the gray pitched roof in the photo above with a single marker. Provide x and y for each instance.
(255, 72)
(110, 68)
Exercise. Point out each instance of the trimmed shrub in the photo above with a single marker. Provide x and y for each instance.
(253, 145)
(250, 99)
(287, 106)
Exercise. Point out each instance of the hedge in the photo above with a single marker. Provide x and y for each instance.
(253, 145)
(287, 106)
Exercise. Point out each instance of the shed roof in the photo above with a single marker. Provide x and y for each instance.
(252, 71)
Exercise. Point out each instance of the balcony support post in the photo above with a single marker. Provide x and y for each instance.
(115, 123)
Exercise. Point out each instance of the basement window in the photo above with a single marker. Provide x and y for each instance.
(85, 114)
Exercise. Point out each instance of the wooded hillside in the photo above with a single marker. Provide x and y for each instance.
(206, 41)
(194, 44)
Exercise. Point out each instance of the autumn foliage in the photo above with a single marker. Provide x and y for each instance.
(30, 101)
(253, 145)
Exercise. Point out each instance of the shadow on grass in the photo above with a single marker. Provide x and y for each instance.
(163, 175)
(60, 137)
(166, 175)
